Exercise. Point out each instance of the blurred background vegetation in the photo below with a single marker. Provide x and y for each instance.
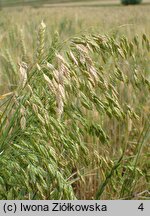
(96, 143)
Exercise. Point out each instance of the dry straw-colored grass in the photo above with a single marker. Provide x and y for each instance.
(74, 118)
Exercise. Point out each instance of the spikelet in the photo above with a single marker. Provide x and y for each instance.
(5, 95)
(35, 108)
(47, 78)
(23, 74)
(129, 123)
(61, 59)
(73, 58)
(82, 48)
(56, 85)
(61, 91)
(65, 71)
(23, 122)
(23, 119)
(41, 41)
(30, 89)
(50, 66)
(91, 69)
(50, 83)
(145, 41)
(59, 100)
(60, 71)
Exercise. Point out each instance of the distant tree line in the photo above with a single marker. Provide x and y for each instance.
(127, 2)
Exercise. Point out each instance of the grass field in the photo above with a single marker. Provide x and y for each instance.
(74, 100)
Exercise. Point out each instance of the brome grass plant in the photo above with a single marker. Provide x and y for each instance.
(74, 121)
